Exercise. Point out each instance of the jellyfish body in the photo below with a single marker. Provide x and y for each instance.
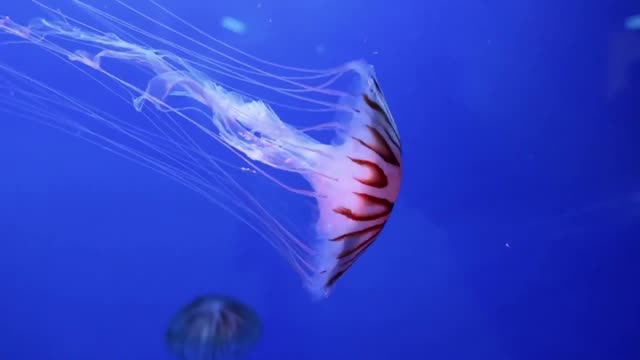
(354, 177)
(213, 327)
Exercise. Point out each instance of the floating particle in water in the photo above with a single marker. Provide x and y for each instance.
(320, 49)
(632, 22)
(233, 24)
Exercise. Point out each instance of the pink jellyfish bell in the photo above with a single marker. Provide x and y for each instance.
(359, 197)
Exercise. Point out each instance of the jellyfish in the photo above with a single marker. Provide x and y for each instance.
(338, 152)
(213, 327)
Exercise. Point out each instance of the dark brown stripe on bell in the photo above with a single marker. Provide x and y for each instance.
(358, 232)
(347, 265)
(369, 200)
(332, 280)
(380, 147)
(375, 82)
(376, 107)
(383, 147)
(361, 246)
(377, 179)
(393, 140)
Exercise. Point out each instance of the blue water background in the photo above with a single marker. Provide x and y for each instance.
(515, 235)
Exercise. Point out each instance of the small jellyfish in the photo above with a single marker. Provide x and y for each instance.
(632, 22)
(213, 327)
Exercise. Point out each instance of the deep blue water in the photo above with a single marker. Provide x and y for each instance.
(515, 235)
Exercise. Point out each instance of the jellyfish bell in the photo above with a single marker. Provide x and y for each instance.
(213, 327)
(192, 98)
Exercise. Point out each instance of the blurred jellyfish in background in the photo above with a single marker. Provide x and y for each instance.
(623, 53)
(632, 22)
(213, 327)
